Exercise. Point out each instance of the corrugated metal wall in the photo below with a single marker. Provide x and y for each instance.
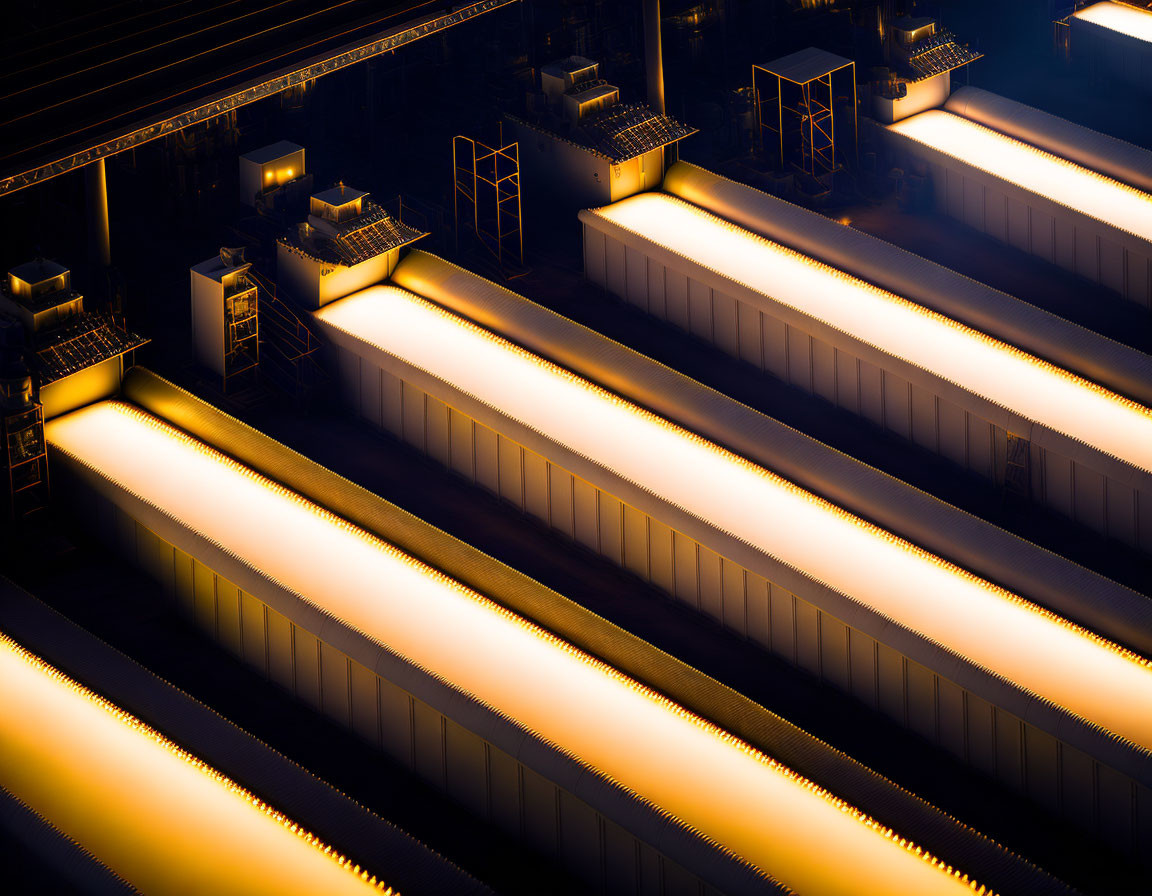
(490, 782)
(1105, 53)
(911, 410)
(1059, 776)
(1093, 249)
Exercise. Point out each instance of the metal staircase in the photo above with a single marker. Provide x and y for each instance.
(288, 347)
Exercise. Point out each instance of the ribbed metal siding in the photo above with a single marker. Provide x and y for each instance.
(917, 405)
(1118, 367)
(398, 858)
(1050, 580)
(533, 791)
(777, 737)
(1095, 250)
(1021, 755)
(1108, 54)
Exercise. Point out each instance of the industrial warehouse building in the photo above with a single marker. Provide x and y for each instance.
(1113, 41)
(671, 508)
(589, 764)
(115, 805)
(1064, 193)
(993, 384)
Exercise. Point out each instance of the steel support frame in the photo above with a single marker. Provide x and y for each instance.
(220, 104)
(475, 167)
(816, 118)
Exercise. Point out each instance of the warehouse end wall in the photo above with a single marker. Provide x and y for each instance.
(577, 175)
(1021, 755)
(1095, 491)
(491, 782)
(1095, 250)
(315, 283)
(88, 385)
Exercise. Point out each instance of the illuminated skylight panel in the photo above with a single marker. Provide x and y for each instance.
(1046, 655)
(1009, 377)
(729, 792)
(1052, 177)
(160, 819)
(1119, 17)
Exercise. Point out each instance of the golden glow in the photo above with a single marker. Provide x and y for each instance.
(1119, 17)
(279, 176)
(699, 774)
(157, 816)
(1035, 389)
(1061, 662)
(1066, 183)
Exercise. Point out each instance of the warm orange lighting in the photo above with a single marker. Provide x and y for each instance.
(712, 782)
(1033, 388)
(268, 175)
(160, 818)
(1055, 178)
(1039, 651)
(1120, 17)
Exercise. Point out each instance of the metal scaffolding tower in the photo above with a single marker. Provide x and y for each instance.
(796, 100)
(486, 196)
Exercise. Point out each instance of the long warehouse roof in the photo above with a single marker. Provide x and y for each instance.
(1057, 179)
(1119, 17)
(1126, 162)
(699, 774)
(1016, 380)
(161, 819)
(1094, 678)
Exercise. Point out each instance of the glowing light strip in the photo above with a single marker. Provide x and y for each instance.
(1066, 183)
(1000, 631)
(157, 816)
(712, 782)
(975, 361)
(1119, 17)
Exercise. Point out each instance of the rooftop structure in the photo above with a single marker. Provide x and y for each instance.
(82, 342)
(600, 717)
(922, 55)
(922, 374)
(924, 50)
(563, 75)
(625, 131)
(580, 142)
(225, 315)
(1082, 219)
(267, 171)
(347, 243)
(39, 293)
(74, 355)
(155, 815)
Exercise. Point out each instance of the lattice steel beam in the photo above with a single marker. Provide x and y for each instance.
(252, 91)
